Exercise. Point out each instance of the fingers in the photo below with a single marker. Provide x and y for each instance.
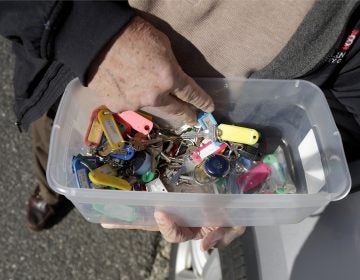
(189, 91)
(221, 237)
(173, 106)
(171, 231)
(115, 226)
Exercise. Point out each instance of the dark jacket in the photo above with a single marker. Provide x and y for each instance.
(56, 41)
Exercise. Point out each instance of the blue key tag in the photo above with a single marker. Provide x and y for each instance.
(206, 120)
(124, 153)
(81, 167)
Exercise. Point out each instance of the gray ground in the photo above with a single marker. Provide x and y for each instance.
(74, 249)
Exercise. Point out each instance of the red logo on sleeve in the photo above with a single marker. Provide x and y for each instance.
(350, 40)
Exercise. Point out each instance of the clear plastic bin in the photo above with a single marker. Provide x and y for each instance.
(294, 109)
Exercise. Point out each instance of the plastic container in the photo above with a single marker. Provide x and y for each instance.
(292, 110)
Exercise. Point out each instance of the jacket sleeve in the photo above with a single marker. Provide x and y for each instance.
(54, 42)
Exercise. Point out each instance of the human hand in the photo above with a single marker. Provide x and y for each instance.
(212, 237)
(138, 69)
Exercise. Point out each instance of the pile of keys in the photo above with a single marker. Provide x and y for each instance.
(128, 151)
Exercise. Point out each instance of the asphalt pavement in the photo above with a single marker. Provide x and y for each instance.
(73, 249)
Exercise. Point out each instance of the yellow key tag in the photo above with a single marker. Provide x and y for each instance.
(110, 128)
(104, 176)
(95, 133)
(237, 134)
(106, 169)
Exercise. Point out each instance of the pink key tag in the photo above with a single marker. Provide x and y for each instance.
(124, 127)
(206, 150)
(137, 122)
(253, 178)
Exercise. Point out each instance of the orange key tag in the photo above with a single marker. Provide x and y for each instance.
(94, 131)
(137, 122)
(110, 128)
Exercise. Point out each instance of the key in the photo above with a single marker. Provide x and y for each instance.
(140, 144)
(165, 157)
(192, 134)
(207, 134)
(186, 166)
(183, 129)
(110, 128)
(155, 154)
(237, 134)
(250, 152)
(137, 122)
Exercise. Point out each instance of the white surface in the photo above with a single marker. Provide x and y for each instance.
(322, 247)
(311, 162)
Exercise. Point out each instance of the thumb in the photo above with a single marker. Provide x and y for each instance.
(221, 237)
(187, 90)
(175, 107)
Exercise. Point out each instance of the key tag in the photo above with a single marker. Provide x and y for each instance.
(141, 163)
(137, 122)
(110, 128)
(206, 150)
(81, 167)
(156, 186)
(94, 131)
(106, 176)
(237, 134)
(253, 178)
(276, 171)
(206, 120)
(212, 168)
(125, 153)
(125, 128)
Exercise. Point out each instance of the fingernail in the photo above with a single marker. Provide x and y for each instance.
(210, 108)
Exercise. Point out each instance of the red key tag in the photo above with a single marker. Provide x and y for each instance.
(137, 122)
(206, 150)
(94, 131)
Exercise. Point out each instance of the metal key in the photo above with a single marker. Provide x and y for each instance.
(141, 144)
(186, 165)
(207, 134)
(155, 153)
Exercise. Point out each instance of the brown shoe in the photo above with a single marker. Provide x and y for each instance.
(41, 215)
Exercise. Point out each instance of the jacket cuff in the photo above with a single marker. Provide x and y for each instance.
(89, 26)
